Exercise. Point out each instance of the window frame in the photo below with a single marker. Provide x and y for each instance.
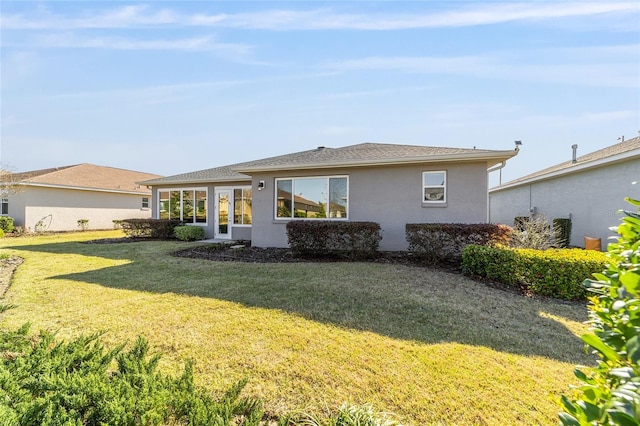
(193, 190)
(146, 202)
(233, 203)
(424, 187)
(4, 204)
(328, 210)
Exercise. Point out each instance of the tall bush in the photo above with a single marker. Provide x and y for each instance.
(610, 393)
(534, 233)
(562, 231)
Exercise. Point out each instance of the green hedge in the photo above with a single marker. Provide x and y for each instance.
(189, 233)
(445, 241)
(562, 230)
(557, 273)
(353, 240)
(149, 228)
(6, 223)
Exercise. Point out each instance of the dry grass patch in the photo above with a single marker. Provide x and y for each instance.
(430, 346)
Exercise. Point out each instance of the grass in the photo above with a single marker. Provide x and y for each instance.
(429, 346)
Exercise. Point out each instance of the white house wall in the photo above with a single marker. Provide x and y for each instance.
(591, 198)
(60, 209)
(390, 196)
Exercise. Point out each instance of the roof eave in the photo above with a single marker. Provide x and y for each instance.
(578, 167)
(82, 188)
(195, 181)
(492, 158)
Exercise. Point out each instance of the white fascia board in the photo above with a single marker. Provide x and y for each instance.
(495, 156)
(80, 188)
(578, 167)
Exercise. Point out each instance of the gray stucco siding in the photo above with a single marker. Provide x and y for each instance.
(388, 195)
(591, 198)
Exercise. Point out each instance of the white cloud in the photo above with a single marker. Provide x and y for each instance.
(325, 18)
(206, 43)
(614, 68)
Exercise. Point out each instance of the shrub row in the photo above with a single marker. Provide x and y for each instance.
(557, 273)
(445, 241)
(149, 228)
(353, 240)
(189, 233)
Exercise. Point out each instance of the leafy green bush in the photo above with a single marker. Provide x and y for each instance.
(562, 231)
(149, 228)
(353, 240)
(445, 241)
(189, 233)
(557, 273)
(6, 223)
(610, 393)
(1, 233)
(45, 382)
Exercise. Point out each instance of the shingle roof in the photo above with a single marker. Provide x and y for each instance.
(364, 154)
(86, 176)
(596, 158)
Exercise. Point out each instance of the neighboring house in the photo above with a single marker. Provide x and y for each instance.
(55, 199)
(589, 189)
(389, 184)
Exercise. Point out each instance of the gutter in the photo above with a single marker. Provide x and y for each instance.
(499, 156)
(80, 188)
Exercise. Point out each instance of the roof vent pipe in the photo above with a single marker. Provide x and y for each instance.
(574, 159)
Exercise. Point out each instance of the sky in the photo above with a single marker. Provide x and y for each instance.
(170, 87)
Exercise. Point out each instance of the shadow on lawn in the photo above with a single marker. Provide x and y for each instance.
(403, 302)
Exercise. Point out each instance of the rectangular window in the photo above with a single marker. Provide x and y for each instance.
(242, 211)
(4, 207)
(187, 205)
(434, 187)
(145, 202)
(312, 197)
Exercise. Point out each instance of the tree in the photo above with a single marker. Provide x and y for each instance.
(610, 393)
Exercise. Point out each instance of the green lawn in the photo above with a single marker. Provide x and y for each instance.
(430, 346)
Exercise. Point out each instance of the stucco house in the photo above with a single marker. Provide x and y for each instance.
(55, 199)
(389, 184)
(589, 189)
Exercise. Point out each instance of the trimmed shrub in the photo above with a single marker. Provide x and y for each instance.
(47, 382)
(437, 242)
(149, 228)
(189, 233)
(352, 240)
(562, 231)
(557, 273)
(610, 392)
(6, 223)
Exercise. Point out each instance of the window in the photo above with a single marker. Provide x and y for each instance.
(434, 185)
(4, 207)
(145, 202)
(242, 211)
(188, 205)
(312, 197)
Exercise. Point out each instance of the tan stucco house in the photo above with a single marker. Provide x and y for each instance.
(389, 184)
(55, 199)
(589, 189)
